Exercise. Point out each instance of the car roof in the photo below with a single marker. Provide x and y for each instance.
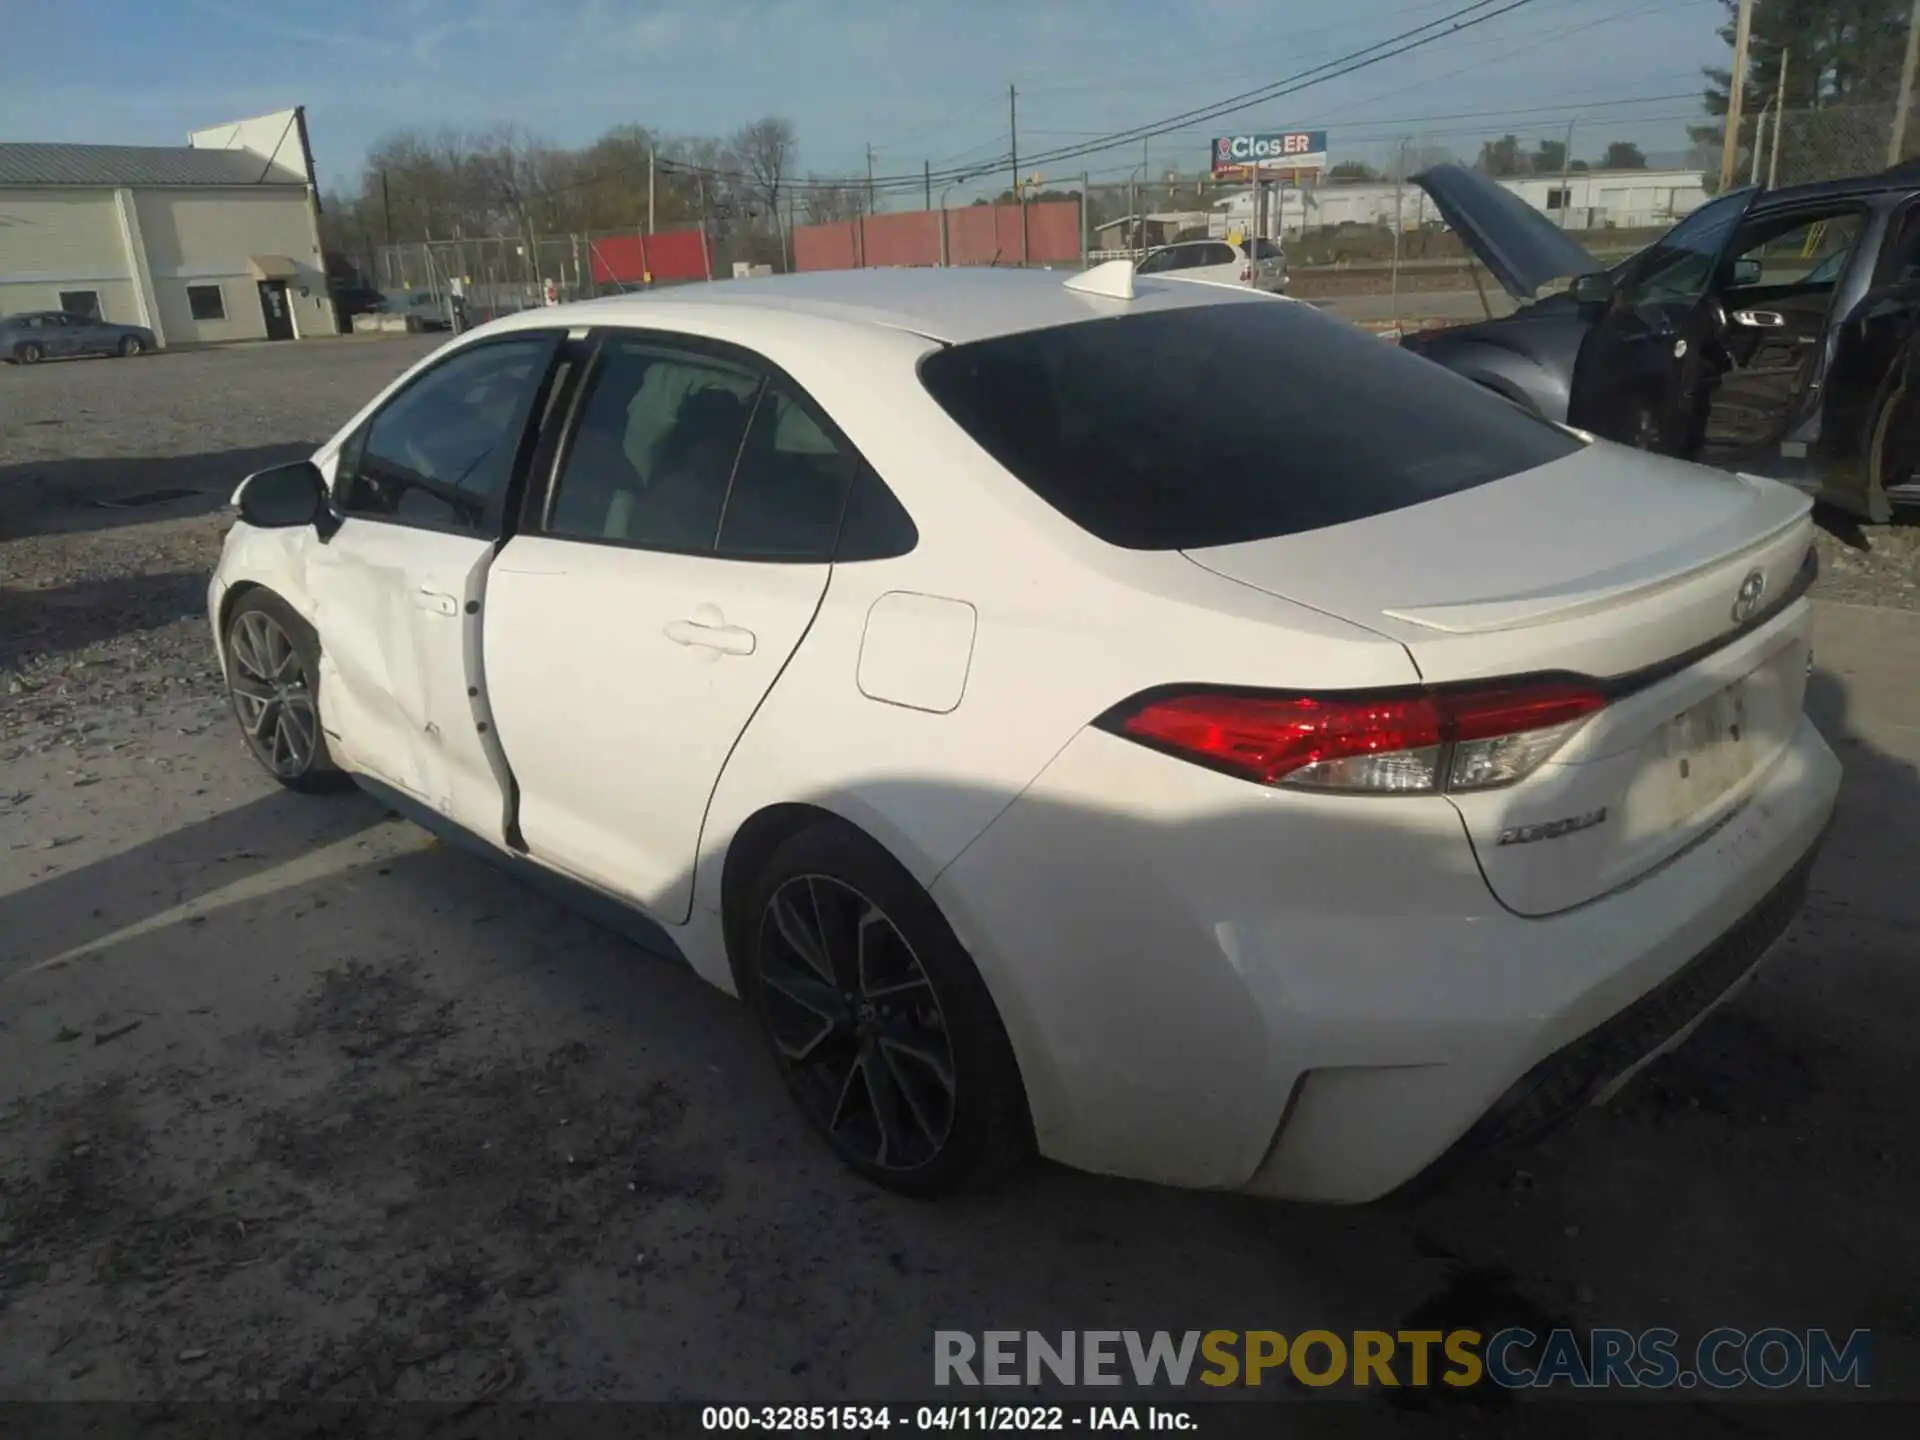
(1900, 180)
(952, 305)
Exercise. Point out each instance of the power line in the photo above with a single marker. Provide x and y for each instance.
(1417, 37)
(1476, 114)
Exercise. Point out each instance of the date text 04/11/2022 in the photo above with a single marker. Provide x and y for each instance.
(936, 1419)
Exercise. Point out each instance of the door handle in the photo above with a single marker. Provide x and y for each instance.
(438, 601)
(727, 639)
(1760, 319)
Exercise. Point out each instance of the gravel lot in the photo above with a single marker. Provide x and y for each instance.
(294, 1102)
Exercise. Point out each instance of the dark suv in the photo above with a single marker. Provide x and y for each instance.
(1774, 331)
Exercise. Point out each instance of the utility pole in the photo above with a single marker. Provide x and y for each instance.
(706, 242)
(926, 171)
(1779, 123)
(1903, 110)
(1566, 174)
(650, 169)
(386, 207)
(1736, 93)
(1013, 139)
(870, 179)
(1086, 194)
(1399, 187)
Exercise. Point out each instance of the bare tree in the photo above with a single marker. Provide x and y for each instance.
(766, 150)
(827, 201)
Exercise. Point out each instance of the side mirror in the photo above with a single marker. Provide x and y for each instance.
(1745, 271)
(284, 497)
(1594, 289)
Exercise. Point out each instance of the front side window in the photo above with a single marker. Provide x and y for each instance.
(444, 447)
(1220, 424)
(658, 438)
(1679, 266)
(1797, 250)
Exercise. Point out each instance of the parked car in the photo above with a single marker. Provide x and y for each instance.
(36, 335)
(350, 300)
(1773, 331)
(422, 309)
(1277, 806)
(1223, 262)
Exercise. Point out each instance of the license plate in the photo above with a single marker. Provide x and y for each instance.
(1710, 746)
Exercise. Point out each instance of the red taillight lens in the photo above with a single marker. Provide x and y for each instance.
(1246, 273)
(1407, 742)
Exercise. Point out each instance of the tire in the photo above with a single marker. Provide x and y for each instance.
(273, 670)
(131, 346)
(900, 1063)
(28, 352)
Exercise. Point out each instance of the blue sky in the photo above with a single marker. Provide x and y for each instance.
(918, 79)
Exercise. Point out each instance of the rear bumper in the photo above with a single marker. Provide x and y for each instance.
(1595, 1066)
(1316, 998)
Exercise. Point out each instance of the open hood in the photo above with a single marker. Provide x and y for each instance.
(1521, 248)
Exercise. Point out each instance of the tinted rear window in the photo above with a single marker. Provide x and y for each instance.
(1218, 424)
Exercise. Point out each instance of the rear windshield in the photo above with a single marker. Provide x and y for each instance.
(1218, 424)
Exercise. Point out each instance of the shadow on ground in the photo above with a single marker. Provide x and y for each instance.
(64, 496)
(63, 618)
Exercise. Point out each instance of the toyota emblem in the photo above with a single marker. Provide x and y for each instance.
(1748, 599)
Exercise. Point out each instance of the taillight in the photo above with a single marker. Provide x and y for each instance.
(1246, 273)
(1384, 742)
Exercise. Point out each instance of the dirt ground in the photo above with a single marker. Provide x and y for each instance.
(296, 1103)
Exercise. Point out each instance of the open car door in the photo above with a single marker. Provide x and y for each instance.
(1645, 367)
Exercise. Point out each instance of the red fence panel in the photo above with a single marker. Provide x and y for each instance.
(912, 238)
(970, 236)
(678, 255)
(630, 259)
(976, 235)
(1053, 231)
(1008, 239)
(825, 247)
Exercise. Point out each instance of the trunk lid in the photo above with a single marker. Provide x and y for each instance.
(1521, 248)
(1610, 564)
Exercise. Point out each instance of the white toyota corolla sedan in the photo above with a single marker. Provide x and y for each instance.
(1148, 722)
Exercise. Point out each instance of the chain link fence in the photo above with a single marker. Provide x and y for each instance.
(500, 274)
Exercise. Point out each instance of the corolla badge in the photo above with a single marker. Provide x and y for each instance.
(1748, 599)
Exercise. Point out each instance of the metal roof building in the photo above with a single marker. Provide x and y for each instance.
(217, 239)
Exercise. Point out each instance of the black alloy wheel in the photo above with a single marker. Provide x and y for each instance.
(884, 1033)
(857, 1023)
(273, 670)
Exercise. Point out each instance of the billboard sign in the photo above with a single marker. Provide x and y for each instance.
(1275, 155)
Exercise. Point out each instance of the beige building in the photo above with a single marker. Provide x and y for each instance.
(214, 240)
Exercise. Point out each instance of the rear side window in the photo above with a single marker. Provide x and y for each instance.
(1220, 424)
(658, 439)
(789, 486)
